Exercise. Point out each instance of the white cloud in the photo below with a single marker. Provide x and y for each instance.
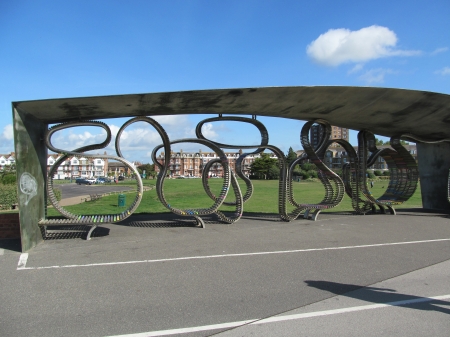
(338, 46)
(356, 68)
(6, 139)
(375, 75)
(8, 132)
(115, 129)
(439, 50)
(208, 131)
(171, 119)
(444, 71)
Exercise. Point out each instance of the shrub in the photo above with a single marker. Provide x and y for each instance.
(8, 196)
(378, 173)
(9, 179)
(305, 175)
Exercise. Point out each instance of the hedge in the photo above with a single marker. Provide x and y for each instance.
(8, 196)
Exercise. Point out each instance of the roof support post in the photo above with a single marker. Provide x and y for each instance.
(434, 163)
(31, 168)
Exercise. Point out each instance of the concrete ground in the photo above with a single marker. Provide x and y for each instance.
(158, 275)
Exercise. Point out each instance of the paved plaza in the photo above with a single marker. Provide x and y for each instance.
(343, 275)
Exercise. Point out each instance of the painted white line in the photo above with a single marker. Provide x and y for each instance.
(232, 255)
(188, 330)
(351, 309)
(2, 251)
(285, 318)
(22, 261)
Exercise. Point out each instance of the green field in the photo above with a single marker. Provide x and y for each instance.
(189, 194)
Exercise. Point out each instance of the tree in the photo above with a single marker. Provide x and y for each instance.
(380, 142)
(291, 156)
(149, 170)
(309, 167)
(297, 171)
(262, 166)
(274, 172)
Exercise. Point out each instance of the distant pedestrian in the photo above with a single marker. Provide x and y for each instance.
(371, 184)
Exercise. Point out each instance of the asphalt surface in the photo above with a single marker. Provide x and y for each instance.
(71, 190)
(343, 275)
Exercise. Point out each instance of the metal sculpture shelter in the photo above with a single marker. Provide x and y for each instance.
(423, 117)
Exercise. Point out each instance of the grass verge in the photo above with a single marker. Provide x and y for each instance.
(189, 194)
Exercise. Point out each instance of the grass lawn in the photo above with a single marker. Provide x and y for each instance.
(189, 194)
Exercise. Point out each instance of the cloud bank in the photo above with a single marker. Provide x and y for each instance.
(338, 46)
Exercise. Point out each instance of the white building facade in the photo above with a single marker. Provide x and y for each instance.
(78, 167)
(7, 160)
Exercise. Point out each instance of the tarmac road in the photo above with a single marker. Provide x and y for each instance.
(154, 275)
(72, 190)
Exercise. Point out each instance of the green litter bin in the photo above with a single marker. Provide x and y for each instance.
(121, 201)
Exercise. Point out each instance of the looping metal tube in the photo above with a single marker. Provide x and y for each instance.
(78, 153)
(239, 162)
(218, 201)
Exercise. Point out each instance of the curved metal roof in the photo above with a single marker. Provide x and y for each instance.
(384, 111)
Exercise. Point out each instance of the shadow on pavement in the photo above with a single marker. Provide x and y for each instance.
(13, 245)
(72, 232)
(381, 296)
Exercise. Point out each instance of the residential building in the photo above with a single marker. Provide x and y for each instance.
(6, 160)
(117, 168)
(316, 133)
(75, 167)
(191, 164)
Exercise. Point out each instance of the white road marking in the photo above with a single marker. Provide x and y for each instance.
(285, 318)
(2, 251)
(352, 309)
(22, 261)
(23, 267)
(188, 330)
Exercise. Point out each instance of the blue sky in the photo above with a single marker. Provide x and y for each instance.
(56, 49)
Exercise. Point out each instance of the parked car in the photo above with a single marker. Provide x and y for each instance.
(91, 180)
(81, 181)
(121, 178)
(102, 180)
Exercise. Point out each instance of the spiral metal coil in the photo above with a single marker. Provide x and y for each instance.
(228, 177)
(334, 186)
(108, 218)
(448, 186)
(239, 168)
(402, 166)
(404, 173)
(283, 182)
